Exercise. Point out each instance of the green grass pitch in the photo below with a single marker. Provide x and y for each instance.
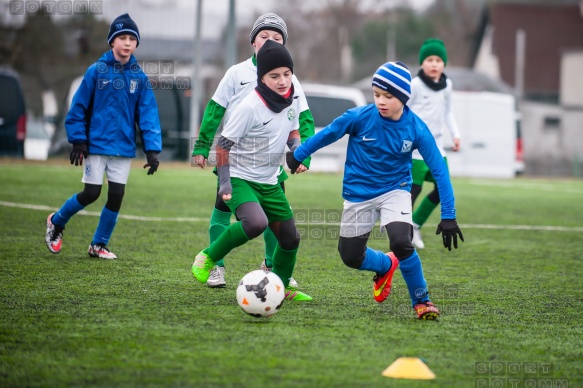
(510, 296)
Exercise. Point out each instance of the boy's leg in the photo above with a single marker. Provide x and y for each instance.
(252, 222)
(411, 269)
(219, 222)
(107, 221)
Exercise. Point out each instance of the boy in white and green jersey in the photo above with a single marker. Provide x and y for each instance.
(249, 156)
(237, 83)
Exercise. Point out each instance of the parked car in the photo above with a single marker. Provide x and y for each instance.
(12, 114)
(327, 102)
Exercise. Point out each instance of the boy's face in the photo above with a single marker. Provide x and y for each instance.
(388, 105)
(264, 36)
(279, 80)
(433, 67)
(123, 47)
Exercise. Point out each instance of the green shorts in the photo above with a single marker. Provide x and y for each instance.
(420, 172)
(271, 198)
(281, 176)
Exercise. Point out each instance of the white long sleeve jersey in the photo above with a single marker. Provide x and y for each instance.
(435, 109)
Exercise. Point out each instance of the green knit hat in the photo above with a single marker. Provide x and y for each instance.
(433, 47)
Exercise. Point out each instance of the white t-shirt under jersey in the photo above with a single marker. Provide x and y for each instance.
(435, 109)
(260, 136)
(239, 81)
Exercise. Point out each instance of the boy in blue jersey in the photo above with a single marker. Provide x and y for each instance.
(112, 98)
(377, 183)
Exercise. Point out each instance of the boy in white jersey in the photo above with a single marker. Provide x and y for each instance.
(239, 81)
(249, 155)
(377, 181)
(431, 101)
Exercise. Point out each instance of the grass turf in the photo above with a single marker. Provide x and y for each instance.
(511, 294)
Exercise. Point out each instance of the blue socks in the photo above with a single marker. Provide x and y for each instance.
(105, 228)
(413, 274)
(375, 261)
(68, 210)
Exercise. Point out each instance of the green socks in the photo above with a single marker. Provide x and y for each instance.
(423, 211)
(230, 239)
(283, 263)
(219, 222)
(270, 245)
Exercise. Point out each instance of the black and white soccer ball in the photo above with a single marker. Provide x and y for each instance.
(260, 293)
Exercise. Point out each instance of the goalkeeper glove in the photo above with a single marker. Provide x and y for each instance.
(153, 162)
(449, 230)
(78, 152)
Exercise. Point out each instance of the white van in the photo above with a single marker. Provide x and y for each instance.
(327, 102)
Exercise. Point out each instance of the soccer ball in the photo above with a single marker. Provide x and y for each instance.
(260, 293)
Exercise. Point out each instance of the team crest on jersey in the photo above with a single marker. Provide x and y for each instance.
(407, 146)
(291, 114)
(133, 85)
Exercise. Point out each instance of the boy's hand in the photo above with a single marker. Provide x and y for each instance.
(449, 230)
(153, 162)
(292, 162)
(78, 152)
(199, 160)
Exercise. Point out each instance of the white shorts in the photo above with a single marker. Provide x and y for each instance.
(116, 168)
(359, 218)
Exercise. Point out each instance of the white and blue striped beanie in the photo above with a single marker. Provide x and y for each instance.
(123, 25)
(395, 78)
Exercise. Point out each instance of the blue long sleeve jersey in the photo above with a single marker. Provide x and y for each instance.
(379, 153)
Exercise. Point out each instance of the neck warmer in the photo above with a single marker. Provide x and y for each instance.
(431, 84)
(272, 100)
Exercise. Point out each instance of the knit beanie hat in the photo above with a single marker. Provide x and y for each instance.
(433, 47)
(122, 25)
(395, 78)
(271, 56)
(269, 21)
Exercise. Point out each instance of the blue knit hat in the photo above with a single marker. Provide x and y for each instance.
(123, 25)
(395, 78)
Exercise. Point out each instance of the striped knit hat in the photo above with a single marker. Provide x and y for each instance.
(269, 21)
(395, 78)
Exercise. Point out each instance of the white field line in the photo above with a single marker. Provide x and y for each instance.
(198, 219)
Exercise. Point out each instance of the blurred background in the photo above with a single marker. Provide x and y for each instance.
(515, 65)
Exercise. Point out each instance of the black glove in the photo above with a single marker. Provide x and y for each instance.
(78, 152)
(449, 230)
(153, 162)
(292, 162)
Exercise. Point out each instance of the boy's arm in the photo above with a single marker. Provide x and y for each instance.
(448, 226)
(149, 120)
(78, 117)
(213, 115)
(333, 132)
(307, 130)
(450, 121)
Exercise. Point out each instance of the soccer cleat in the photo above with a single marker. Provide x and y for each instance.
(292, 282)
(417, 240)
(293, 294)
(382, 284)
(54, 235)
(426, 310)
(201, 267)
(100, 251)
(217, 277)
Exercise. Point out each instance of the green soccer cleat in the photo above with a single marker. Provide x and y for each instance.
(201, 268)
(293, 294)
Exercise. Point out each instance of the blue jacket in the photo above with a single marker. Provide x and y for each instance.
(379, 153)
(109, 101)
